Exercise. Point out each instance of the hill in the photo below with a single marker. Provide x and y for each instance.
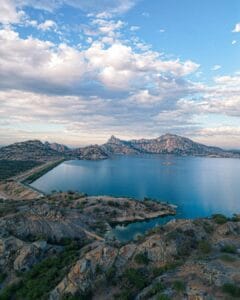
(165, 144)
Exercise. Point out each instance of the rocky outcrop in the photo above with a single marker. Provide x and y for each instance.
(63, 236)
(165, 144)
(42, 152)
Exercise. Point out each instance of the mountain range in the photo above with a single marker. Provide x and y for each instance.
(165, 144)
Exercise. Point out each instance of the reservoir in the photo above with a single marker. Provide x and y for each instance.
(199, 186)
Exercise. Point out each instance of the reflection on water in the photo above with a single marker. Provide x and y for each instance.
(198, 186)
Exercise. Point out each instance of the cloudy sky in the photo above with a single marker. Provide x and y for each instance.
(78, 71)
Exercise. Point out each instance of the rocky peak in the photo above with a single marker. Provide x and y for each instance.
(114, 140)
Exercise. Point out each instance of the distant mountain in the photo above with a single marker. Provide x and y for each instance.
(165, 144)
(29, 150)
(37, 151)
(92, 152)
(58, 147)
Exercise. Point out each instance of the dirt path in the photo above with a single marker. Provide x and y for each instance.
(93, 235)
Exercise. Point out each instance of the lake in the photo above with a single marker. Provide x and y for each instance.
(198, 186)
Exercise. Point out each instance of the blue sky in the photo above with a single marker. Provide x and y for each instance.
(77, 71)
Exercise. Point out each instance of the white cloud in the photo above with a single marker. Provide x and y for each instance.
(47, 25)
(9, 13)
(234, 42)
(162, 30)
(237, 28)
(134, 28)
(216, 67)
(34, 64)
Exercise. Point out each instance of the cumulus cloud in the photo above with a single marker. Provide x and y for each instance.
(33, 64)
(237, 28)
(9, 14)
(95, 88)
(47, 25)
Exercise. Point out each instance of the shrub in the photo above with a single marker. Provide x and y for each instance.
(219, 219)
(141, 258)
(229, 249)
(227, 258)
(235, 218)
(208, 227)
(179, 286)
(43, 277)
(231, 289)
(157, 288)
(135, 278)
(162, 297)
(204, 247)
(124, 295)
(2, 277)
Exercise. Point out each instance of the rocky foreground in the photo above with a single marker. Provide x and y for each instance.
(56, 247)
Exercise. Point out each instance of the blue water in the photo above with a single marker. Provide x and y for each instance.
(198, 186)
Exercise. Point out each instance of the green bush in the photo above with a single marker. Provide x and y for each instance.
(204, 247)
(157, 288)
(141, 258)
(227, 258)
(219, 219)
(179, 286)
(2, 277)
(43, 277)
(135, 278)
(229, 249)
(162, 297)
(231, 289)
(124, 295)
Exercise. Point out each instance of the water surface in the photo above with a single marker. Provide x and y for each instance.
(198, 186)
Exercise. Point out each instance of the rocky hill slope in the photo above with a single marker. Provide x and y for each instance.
(55, 248)
(35, 150)
(165, 144)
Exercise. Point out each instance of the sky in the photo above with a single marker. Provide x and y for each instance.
(78, 71)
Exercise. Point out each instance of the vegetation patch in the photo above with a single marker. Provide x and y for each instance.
(229, 249)
(135, 278)
(141, 258)
(179, 286)
(10, 168)
(43, 277)
(43, 171)
(231, 289)
(219, 219)
(204, 247)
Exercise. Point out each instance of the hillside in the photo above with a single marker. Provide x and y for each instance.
(35, 150)
(165, 144)
(58, 247)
